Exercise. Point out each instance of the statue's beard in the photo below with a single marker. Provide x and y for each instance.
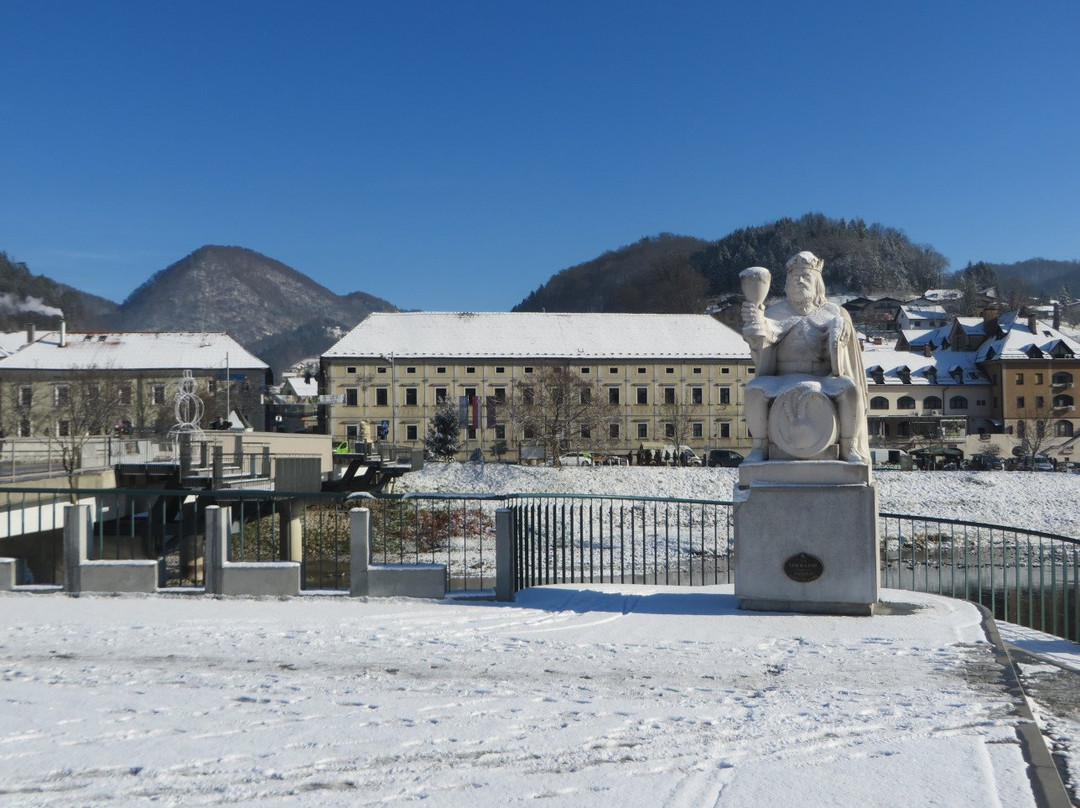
(801, 298)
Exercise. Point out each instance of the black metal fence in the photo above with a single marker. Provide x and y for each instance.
(169, 525)
(1024, 576)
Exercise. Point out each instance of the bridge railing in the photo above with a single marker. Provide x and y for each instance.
(311, 527)
(1024, 576)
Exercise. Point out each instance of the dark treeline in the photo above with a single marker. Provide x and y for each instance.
(678, 273)
(28, 299)
(651, 275)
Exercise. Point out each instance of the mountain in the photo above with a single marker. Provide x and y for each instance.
(670, 273)
(28, 299)
(279, 314)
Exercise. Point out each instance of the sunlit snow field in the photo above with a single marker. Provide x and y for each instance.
(584, 695)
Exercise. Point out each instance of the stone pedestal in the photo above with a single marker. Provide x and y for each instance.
(806, 538)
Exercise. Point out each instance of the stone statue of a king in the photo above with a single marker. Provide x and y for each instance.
(808, 397)
(805, 503)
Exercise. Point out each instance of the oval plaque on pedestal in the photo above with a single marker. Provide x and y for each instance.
(803, 568)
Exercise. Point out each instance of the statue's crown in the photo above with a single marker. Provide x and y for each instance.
(806, 258)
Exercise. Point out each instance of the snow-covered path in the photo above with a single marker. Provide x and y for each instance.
(585, 696)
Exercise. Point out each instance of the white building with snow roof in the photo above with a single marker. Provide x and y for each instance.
(928, 396)
(921, 316)
(142, 369)
(393, 369)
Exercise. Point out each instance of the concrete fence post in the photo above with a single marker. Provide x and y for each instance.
(504, 554)
(218, 465)
(360, 550)
(77, 529)
(291, 531)
(217, 547)
(7, 574)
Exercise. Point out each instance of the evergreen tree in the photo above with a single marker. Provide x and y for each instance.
(442, 435)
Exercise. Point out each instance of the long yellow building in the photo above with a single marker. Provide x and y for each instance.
(661, 377)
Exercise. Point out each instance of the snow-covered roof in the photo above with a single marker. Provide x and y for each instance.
(923, 310)
(131, 350)
(10, 343)
(539, 336)
(973, 326)
(1020, 342)
(952, 367)
(942, 294)
(296, 386)
(917, 337)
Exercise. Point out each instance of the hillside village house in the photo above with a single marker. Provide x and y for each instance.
(40, 380)
(1034, 368)
(1029, 367)
(921, 316)
(393, 369)
(918, 399)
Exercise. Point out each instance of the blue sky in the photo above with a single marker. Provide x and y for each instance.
(454, 155)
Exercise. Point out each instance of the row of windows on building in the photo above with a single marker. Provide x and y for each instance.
(61, 394)
(1060, 379)
(411, 395)
(640, 429)
(1062, 429)
(929, 403)
(585, 370)
(1060, 402)
(62, 428)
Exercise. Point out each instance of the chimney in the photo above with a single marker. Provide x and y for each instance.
(927, 350)
(31, 334)
(1057, 315)
(1031, 323)
(990, 322)
(63, 333)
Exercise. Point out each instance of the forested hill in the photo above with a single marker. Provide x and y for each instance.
(678, 273)
(652, 275)
(1043, 277)
(28, 299)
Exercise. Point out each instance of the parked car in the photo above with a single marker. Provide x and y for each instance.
(724, 457)
(1040, 463)
(984, 462)
(576, 459)
(684, 456)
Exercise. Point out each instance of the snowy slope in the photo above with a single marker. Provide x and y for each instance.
(1036, 501)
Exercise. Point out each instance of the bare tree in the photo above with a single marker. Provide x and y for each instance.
(676, 413)
(557, 408)
(1033, 431)
(85, 406)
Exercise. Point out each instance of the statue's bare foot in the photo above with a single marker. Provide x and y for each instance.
(848, 453)
(756, 456)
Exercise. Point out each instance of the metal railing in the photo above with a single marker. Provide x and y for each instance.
(168, 525)
(1024, 576)
(602, 539)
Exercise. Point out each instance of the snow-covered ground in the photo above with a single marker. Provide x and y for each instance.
(581, 695)
(1035, 501)
(647, 696)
